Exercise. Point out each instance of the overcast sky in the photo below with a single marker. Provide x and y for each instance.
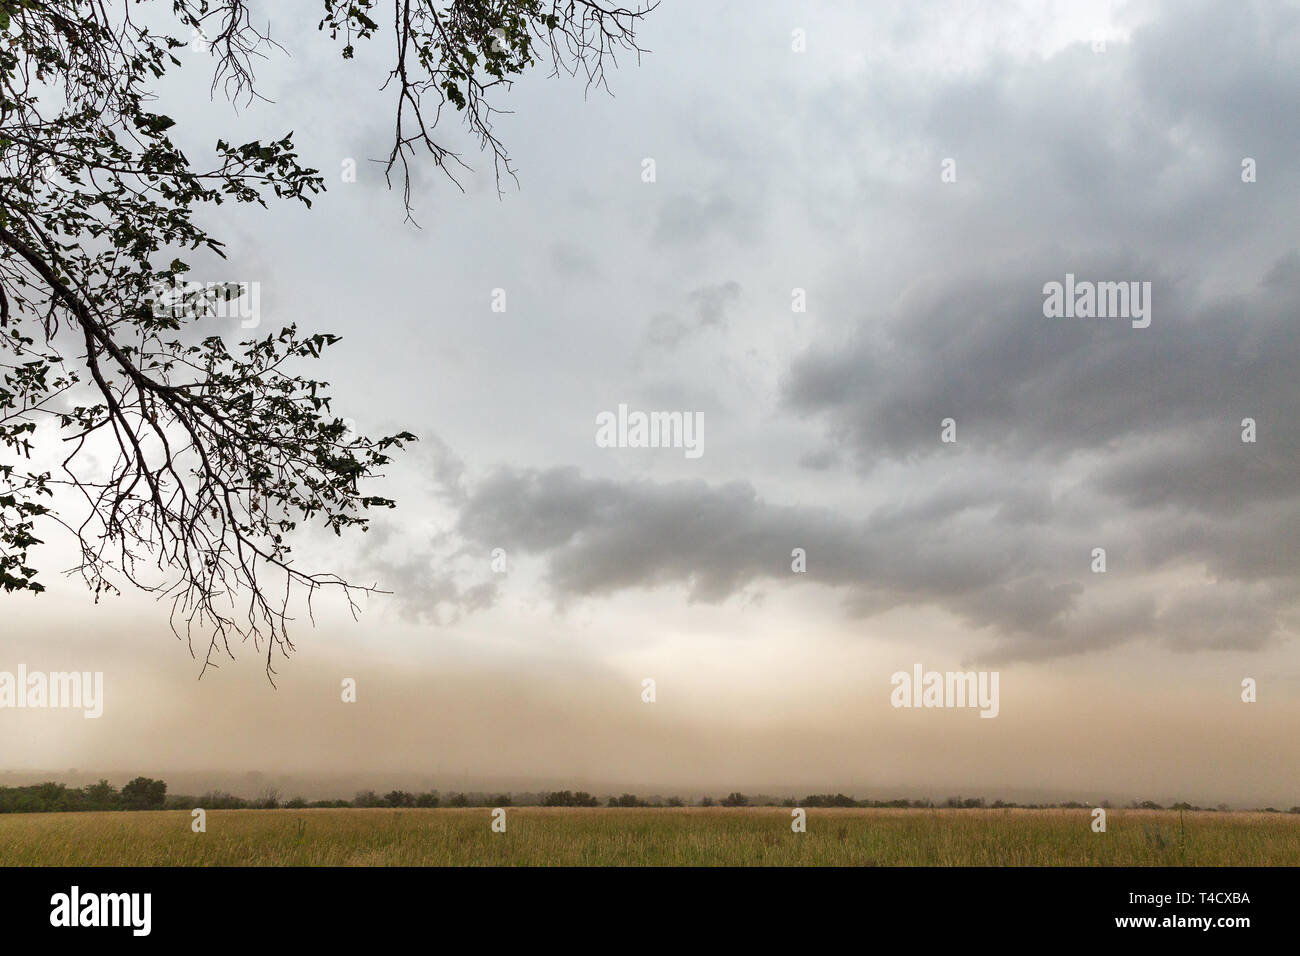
(775, 169)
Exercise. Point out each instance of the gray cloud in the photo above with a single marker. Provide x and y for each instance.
(709, 304)
(1023, 385)
(926, 303)
(686, 218)
(600, 536)
(1024, 574)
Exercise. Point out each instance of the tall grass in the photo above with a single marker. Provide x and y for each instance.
(537, 836)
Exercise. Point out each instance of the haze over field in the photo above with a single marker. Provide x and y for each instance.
(777, 170)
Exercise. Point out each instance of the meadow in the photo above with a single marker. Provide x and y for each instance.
(693, 836)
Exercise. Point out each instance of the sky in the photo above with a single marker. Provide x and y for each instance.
(853, 213)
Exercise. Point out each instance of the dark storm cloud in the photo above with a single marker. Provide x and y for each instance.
(1232, 618)
(1016, 574)
(1114, 166)
(1148, 424)
(1072, 433)
(1022, 385)
(1135, 149)
(1202, 65)
(600, 536)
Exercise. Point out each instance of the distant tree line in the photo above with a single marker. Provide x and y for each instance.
(567, 798)
(144, 793)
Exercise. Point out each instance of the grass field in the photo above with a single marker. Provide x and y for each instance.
(658, 837)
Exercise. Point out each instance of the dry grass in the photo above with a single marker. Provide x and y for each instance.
(658, 837)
